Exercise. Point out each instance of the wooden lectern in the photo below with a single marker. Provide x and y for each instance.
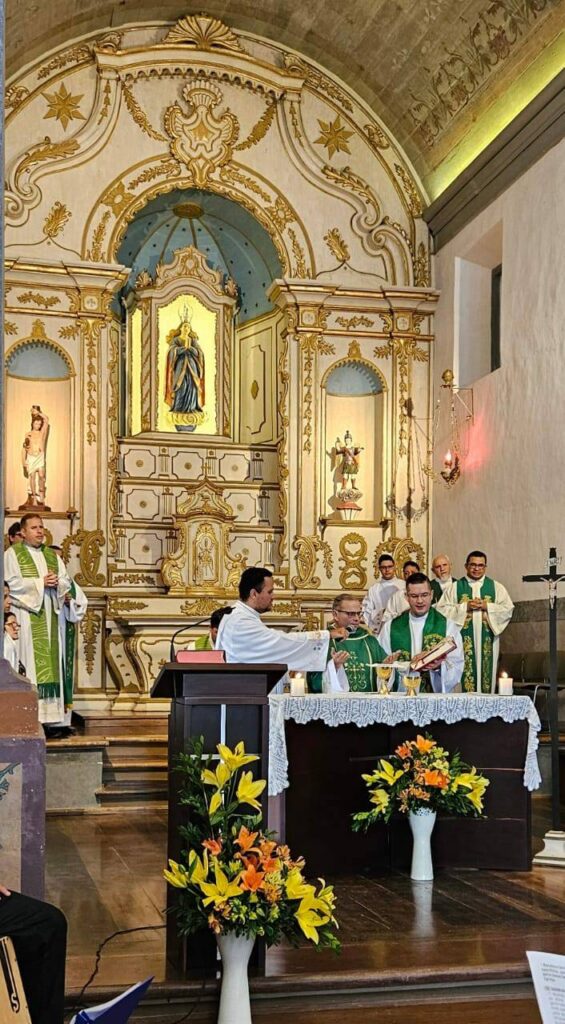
(223, 703)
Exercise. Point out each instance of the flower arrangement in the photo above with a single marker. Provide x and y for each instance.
(236, 877)
(422, 775)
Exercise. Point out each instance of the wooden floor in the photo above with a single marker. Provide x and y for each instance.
(467, 929)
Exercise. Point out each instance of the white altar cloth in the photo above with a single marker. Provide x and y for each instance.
(372, 709)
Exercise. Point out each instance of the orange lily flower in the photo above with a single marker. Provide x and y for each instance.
(435, 778)
(246, 839)
(404, 750)
(213, 846)
(423, 745)
(251, 879)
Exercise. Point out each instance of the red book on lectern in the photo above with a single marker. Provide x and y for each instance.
(200, 657)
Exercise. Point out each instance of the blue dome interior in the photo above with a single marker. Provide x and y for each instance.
(229, 236)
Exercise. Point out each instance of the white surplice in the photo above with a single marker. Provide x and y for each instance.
(11, 652)
(498, 613)
(397, 604)
(376, 600)
(245, 638)
(445, 678)
(28, 595)
(73, 612)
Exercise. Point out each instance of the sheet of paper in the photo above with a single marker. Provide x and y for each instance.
(548, 975)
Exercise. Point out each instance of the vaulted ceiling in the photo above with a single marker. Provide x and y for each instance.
(445, 76)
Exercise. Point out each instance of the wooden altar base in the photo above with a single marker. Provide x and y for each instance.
(457, 946)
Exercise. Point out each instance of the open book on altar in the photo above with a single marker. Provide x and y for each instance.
(436, 653)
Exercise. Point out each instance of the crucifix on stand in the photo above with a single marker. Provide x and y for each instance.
(553, 852)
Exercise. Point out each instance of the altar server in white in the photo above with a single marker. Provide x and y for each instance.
(420, 628)
(38, 582)
(380, 593)
(245, 638)
(398, 603)
(483, 609)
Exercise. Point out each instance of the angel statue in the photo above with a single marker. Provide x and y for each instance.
(349, 453)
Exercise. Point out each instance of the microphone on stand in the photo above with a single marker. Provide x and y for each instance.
(189, 625)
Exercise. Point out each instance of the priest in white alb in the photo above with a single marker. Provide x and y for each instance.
(378, 596)
(420, 628)
(245, 638)
(38, 582)
(482, 608)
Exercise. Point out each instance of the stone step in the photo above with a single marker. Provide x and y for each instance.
(122, 792)
(129, 723)
(121, 748)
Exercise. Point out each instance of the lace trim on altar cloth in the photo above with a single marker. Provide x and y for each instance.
(370, 709)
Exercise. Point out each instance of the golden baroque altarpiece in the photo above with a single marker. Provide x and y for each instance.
(158, 522)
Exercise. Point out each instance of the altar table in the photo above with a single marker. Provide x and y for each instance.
(320, 744)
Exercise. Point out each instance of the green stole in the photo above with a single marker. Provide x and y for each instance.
(435, 628)
(364, 651)
(69, 664)
(45, 652)
(469, 680)
(203, 643)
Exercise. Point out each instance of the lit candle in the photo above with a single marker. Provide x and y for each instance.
(448, 460)
(298, 684)
(505, 685)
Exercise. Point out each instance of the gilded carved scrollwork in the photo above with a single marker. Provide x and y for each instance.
(307, 549)
(402, 549)
(309, 345)
(353, 559)
(404, 350)
(89, 543)
(90, 630)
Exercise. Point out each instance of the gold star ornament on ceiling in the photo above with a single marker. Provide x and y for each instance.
(334, 136)
(63, 106)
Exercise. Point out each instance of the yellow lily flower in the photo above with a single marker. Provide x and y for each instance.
(248, 790)
(215, 803)
(387, 773)
(222, 889)
(296, 887)
(312, 913)
(177, 876)
(198, 869)
(381, 798)
(217, 778)
(236, 758)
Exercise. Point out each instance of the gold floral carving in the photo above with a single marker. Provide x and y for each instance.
(202, 32)
(402, 550)
(42, 151)
(133, 579)
(376, 136)
(232, 174)
(337, 245)
(354, 321)
(106, 104)
(300, 270)
(10, 327)
(354, 350)
(307, 549)
(312, 620)
(47, 301)
(282, 443)
(173, 565)
(63, 106)
(76, 55)
(353, 559)
(166, 168)
(295, 121)
(347, 179)
(235, 564)
(206, 498)
(421, 262)
(90, 630)
(334, 136)
(118, 198)
(404, 351)
(201, 606)
(118, 606)
(58, 216)
(201, 139)
(113, 451)
(15, 96)
(139, 115)
(260, 129)
(90, 333)
(317, 80)
(95, 253)
(309, 345)
(412, 194)
(89, 543)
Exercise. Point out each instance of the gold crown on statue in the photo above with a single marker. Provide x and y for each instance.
(186, 314)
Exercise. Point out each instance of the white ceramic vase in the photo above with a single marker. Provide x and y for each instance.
(235, 951)
(422, 825)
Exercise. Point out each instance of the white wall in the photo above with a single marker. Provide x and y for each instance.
(510, 499)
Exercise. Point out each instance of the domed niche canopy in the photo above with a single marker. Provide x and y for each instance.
(230, 238)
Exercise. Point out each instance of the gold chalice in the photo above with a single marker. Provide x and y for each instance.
(384, 673)
(411, 683)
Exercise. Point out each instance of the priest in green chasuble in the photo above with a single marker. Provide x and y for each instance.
(361, 646)
(38, 582)
(482, 608)
(419, 629)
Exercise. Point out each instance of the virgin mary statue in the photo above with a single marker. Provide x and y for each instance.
(184, 381)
